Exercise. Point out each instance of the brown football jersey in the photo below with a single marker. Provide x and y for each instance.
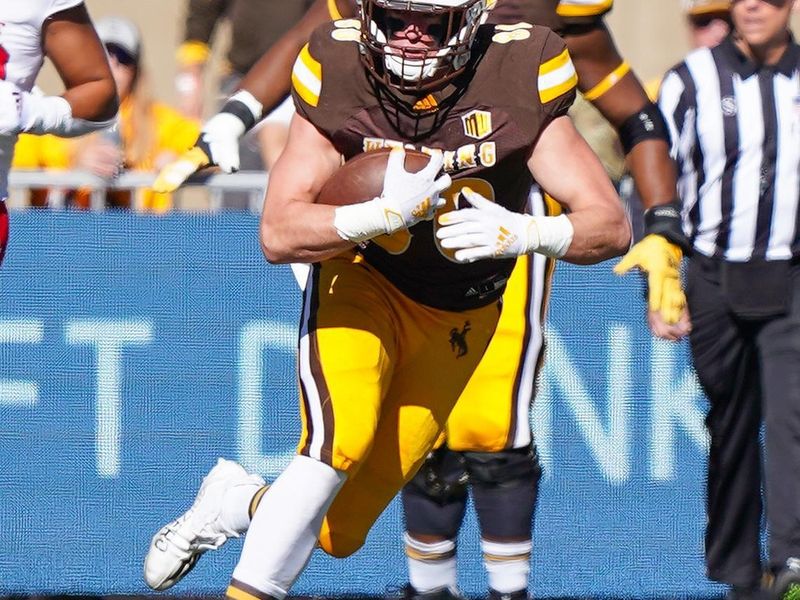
(486, 122)
(558, 15)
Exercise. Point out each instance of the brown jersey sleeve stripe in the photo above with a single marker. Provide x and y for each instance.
(583, 8)
(307, 77)
(557, 76)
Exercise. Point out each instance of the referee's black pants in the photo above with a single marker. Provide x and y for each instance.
(750, 371)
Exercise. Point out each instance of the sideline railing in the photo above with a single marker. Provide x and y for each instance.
(254, 183)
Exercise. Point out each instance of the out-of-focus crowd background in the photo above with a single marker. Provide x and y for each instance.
(652, 35)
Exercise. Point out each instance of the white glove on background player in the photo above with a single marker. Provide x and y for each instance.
(406, 199)
(487, 230)
(217, 145)
(30, 112)
(219, 137)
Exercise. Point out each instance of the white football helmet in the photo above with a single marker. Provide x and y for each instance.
(453, 23)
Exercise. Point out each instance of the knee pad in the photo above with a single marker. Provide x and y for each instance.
(505, 486)
(441, 477)
(504, 468)
(434, 501)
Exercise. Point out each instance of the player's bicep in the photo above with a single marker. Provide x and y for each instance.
(604, 77)
(567, 168)
(594, 55)
(72, 44)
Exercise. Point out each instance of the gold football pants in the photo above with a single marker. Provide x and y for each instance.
(493, 412)
(379, 376)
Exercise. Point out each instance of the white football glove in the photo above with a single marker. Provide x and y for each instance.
(406, 199)
(217, 145)
(33, 112)
(219, 138)
(487, 230)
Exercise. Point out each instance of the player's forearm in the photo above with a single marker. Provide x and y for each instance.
(600, 234)
(202, 17)
(613, 88)
(94, 100)
(653, 172)
(269, 80)
(40, 114)
(300, 232)
(648, 158)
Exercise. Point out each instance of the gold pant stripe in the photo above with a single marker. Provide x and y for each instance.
(256, 500)
(511, 440)
(318, 417)
(532, 355)
(552, 209)
(550, 270)
(238, 590)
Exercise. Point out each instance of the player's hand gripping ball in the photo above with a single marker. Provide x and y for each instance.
(361, 178)
(385, 192)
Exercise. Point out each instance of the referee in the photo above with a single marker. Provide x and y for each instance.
(734, 115)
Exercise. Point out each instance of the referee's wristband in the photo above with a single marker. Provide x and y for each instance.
(665, 220)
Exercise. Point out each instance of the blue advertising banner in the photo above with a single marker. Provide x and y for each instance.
(135, 350)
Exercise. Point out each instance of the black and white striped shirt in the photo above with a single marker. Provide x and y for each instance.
(735, 131)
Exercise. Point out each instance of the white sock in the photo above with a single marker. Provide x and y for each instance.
(508, 565)
(236, 506)
(431, 566)
(285, 527)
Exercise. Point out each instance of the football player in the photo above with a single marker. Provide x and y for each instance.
(489, 426)
(403, 295)
(61, 30)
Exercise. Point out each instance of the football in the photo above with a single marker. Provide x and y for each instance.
(361, 178)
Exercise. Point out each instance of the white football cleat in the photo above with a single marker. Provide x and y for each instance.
(178, 545)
